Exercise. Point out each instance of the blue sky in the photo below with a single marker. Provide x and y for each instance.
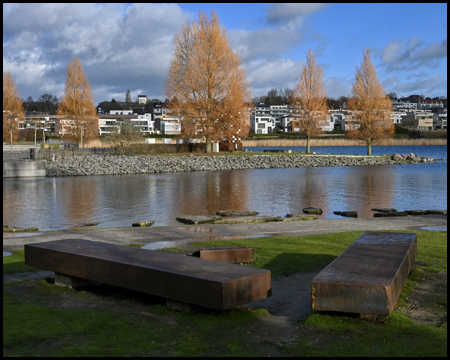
(128, 46)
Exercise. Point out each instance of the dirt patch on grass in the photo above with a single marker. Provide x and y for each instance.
(427, 303)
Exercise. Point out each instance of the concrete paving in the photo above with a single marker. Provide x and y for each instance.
(180, 235)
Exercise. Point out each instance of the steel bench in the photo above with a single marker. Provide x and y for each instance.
(368, 276)
(185, 279)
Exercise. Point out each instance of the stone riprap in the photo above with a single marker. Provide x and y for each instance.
(146, 164)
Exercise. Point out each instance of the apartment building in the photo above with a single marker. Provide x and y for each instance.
(418, 120)
(169, 125)
(440, 120)
(397, 116)
(38, 120)
(110, 123)
(262, 124)
(431, 104)
(280, 111)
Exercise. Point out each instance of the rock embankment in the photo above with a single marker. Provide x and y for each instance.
(145, 164)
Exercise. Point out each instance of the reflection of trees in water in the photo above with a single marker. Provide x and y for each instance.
(80, 198)
(310, 190)
(369, 187)
(211, 191)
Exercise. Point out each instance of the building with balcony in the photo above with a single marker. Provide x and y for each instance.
(418, 120)
(430, 104)
(262, 124)
(440, 120)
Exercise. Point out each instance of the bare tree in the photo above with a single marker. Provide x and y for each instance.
(310, 100)
(206, 84)
(371, 106)
(124, 137)
(12, 108)
(76, 112)
(286, 94)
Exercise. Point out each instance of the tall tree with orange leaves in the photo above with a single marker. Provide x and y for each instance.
(206, 85)
(12, 109)
(76, 112)
(371, 106)
(310, 100)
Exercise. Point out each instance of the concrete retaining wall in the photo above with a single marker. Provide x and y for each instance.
(16, 169)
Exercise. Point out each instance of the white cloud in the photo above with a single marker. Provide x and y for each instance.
(119, 47)
(263, 43)
(265, 75)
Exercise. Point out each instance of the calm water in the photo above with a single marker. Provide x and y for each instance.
(116, 201)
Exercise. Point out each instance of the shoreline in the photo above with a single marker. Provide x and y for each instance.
(341, 142)
(88, 165)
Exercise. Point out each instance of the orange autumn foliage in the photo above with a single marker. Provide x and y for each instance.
(206, 85)
(371, 106)
(76, 112)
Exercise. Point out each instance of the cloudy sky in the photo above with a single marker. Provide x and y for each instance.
(129, 46)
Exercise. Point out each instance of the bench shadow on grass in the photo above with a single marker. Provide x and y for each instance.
(109, 294)
(291, 291)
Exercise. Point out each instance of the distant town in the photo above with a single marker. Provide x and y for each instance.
(268, 115)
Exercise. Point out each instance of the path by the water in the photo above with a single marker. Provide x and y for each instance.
(192, 233)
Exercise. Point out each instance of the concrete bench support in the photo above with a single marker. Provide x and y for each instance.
(368, 276)
(207, 283)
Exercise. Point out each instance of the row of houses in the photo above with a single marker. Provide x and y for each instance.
(263, 118)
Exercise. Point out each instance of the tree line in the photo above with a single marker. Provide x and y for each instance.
(284, 97)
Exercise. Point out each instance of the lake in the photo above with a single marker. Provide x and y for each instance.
(118, 201)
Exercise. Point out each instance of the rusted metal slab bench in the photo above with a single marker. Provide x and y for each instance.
(368, 276)
(186, 279)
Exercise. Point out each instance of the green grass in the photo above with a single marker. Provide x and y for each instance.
(16, 263)
(40, 324)
(286, 255)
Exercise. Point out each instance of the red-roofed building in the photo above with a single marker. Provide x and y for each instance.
(430, 104)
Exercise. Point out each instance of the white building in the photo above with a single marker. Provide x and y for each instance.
(170, 125)
(261, 110)
(280, 111)
(397, 117)
(404, 105)
(121, 112)
(262, 124)
(107, 126)
(142, 99)
(111, 123)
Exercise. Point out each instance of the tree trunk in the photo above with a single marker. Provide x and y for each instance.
(307, 145)
(81, 138)
(208, 144)
(369, 147)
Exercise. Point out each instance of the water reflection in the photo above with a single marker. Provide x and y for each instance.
(119, 201)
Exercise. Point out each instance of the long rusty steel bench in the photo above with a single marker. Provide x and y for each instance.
(368, 276)
(189, 280)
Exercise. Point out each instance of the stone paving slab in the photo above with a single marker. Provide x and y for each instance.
(145, 235)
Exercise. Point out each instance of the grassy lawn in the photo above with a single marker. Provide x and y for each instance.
(40, 319)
